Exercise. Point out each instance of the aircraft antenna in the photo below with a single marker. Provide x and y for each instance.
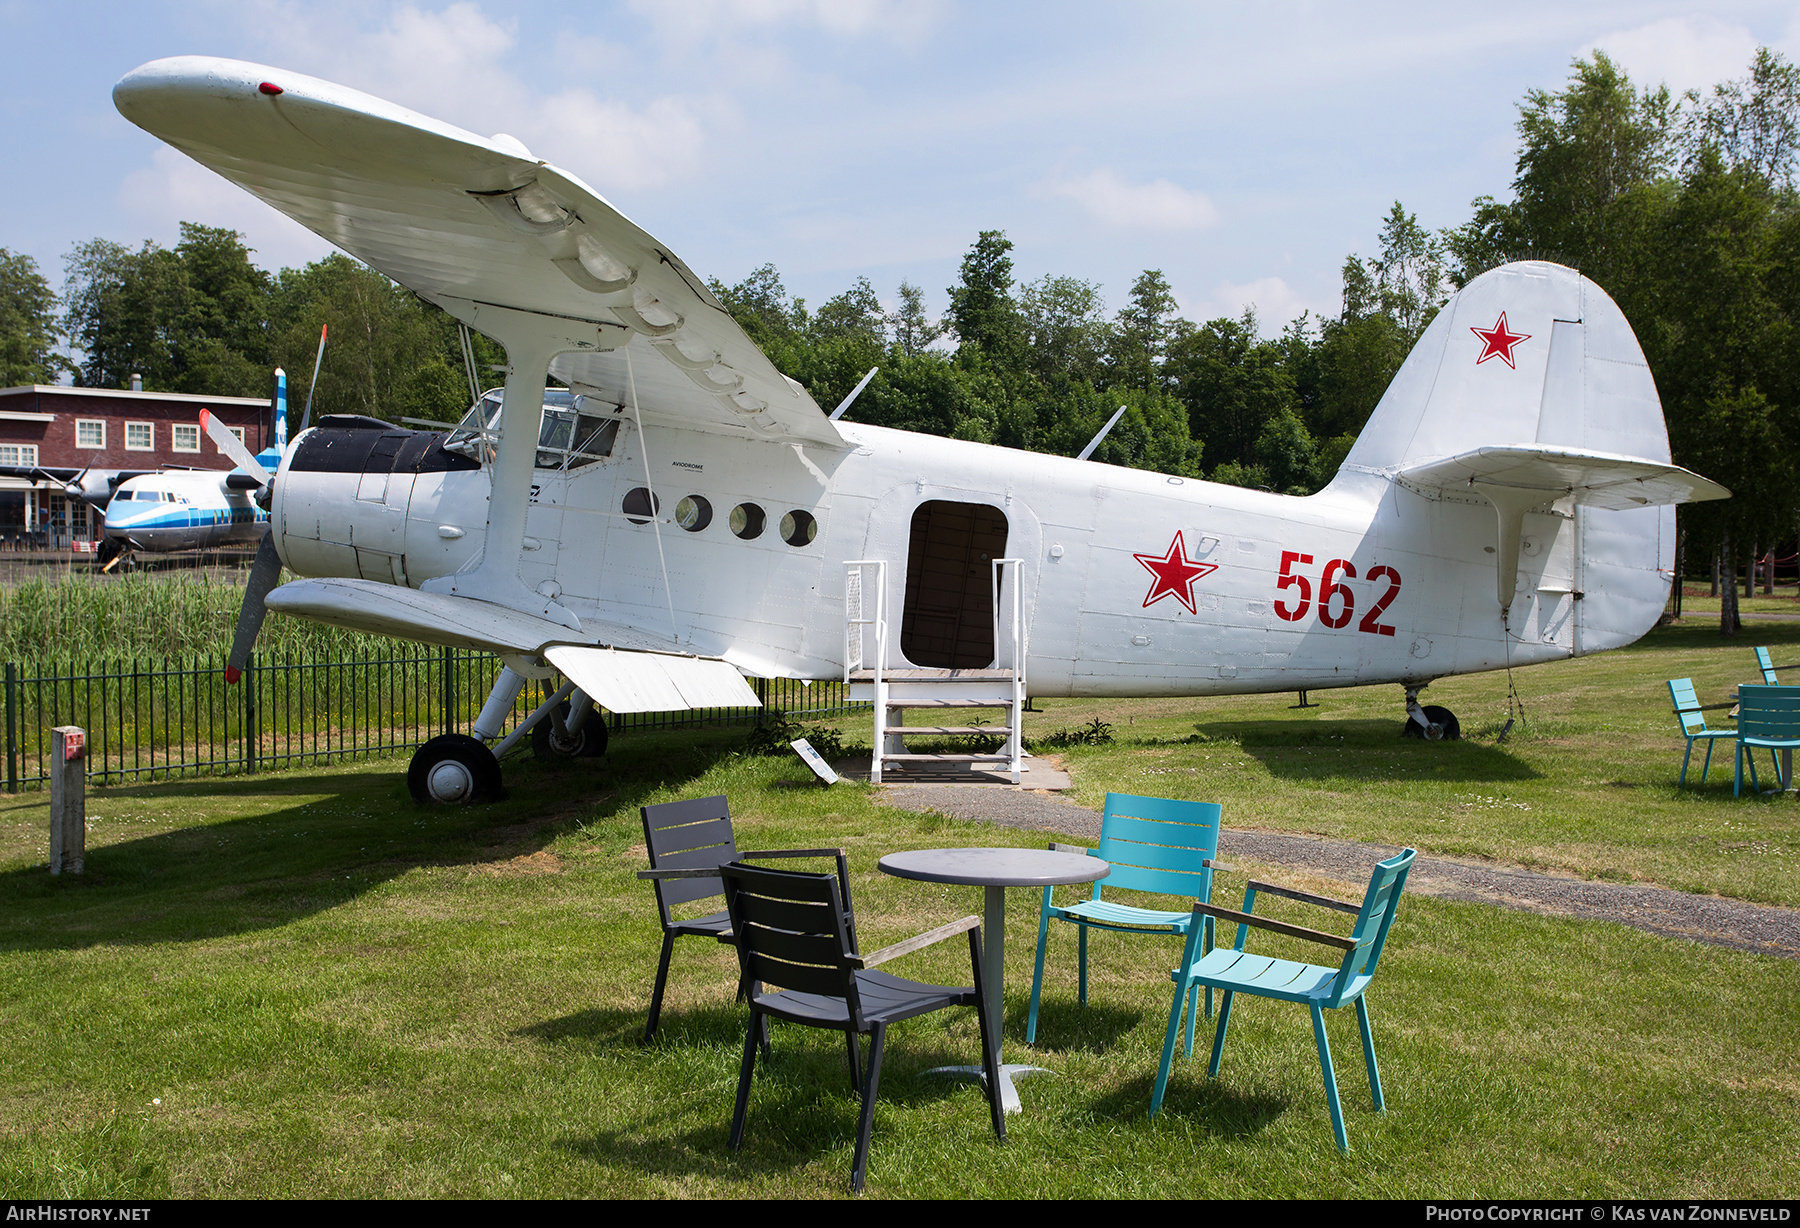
(1095, 441)
(854, 393)
(650, 490)
(306, 418)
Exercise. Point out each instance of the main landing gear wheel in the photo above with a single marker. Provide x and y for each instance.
(548, 742)
(1443, 725)
(453, 769)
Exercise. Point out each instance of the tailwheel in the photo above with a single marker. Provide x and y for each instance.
(453, 769)
(1442, 725)
(551, 742)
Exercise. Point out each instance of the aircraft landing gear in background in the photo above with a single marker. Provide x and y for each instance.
(552, 740)
(453, 769)
(1430, 722)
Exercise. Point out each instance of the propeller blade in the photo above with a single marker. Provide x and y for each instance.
(264, 572)
(232, 446)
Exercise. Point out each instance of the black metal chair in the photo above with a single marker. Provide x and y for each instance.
(792, 932)
(696, 834)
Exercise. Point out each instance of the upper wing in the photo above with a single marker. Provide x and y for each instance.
(470, 221)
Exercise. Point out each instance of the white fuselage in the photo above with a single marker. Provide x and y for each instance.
(177, 510)
(1134, 583)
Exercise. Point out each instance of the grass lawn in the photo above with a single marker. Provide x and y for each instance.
(302, 984)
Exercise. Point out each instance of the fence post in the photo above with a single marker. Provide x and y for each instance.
(250, 714)
(449, 660)
(12, 727)
(68, 800)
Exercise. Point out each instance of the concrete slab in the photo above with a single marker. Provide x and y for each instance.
(1041, 772)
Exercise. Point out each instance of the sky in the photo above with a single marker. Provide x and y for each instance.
(1243, 149)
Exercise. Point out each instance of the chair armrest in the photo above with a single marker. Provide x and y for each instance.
(1214, 864)
(1279, 927)
(743, 856)
(915, 943)
(1305, 897)
(690, 872)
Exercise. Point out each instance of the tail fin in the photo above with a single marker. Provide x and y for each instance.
(1528, 388)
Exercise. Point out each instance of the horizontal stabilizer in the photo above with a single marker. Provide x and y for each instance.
(1591, 479)
(651, 682)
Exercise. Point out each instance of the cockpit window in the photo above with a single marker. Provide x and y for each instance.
(575, 430)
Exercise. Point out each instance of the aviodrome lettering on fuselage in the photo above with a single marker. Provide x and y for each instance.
(683, 514)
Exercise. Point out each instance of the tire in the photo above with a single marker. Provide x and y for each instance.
(1443, 718)
(453, 770)
(589, 741)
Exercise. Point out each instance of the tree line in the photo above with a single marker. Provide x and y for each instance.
(1682, 208)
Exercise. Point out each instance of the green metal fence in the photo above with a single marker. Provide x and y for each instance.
(147, 721)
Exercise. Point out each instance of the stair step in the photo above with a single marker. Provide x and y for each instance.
(946, 758)
(934, 675)
(951, 731)
(949, 703)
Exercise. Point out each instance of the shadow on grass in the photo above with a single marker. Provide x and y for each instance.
(1361, 751)
(1229, 1111)
(1064, 1025)
(342, 836)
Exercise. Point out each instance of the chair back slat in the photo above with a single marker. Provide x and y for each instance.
(790, 931)
(1157, 844)
(1687, 705)
(1767, 666)
(1769, 712)
(685, 835)
(1380, 902)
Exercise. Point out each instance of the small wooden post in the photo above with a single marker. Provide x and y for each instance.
(68, 800)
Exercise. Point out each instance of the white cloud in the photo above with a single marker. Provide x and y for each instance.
(905, 22)
(1157, 205)
(1274, 301)
(453, 64)
(1683, 52)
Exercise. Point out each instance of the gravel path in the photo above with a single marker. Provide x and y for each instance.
(1761, 928)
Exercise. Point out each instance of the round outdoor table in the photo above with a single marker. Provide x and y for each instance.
(995, 870)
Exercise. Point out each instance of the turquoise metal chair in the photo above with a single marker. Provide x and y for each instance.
(1693, 726)
(1154, 845)
(1767, 666)
(1768, 718)
(1235, 970)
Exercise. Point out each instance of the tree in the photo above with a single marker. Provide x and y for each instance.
(1145, 327)
(912, 329)
(1232, 383)
(982, 311)
(124, 313)
(1065, 327)
(856, 313)
(1754, 121)
(28, 329)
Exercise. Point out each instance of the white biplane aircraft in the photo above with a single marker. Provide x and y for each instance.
(685, 515)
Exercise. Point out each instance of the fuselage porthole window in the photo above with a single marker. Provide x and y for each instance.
(640, 505)
(798, 528)
(693, 513)
(747, 521)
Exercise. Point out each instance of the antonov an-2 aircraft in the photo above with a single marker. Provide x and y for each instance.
(684, 515)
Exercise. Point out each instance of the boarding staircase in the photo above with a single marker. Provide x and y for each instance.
(943, 694)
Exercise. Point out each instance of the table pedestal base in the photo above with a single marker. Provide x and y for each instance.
(1009, 1095)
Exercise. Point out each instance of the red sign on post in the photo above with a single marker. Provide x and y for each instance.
(74, 743)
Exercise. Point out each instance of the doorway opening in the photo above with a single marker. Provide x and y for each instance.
(948, 619)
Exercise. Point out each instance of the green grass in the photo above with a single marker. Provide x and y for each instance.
(303, 985)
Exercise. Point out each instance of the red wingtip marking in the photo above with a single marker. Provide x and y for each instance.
(232, 674)
(269, 88)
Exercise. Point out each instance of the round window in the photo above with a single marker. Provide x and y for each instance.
(693, 513)
(640, 505)
(747, 521)
(799, 528)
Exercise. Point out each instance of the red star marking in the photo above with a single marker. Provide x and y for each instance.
(1175, 574)
(1497, 342)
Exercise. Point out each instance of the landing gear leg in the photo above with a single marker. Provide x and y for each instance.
(1430, 722)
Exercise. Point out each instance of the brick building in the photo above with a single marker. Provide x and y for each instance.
(104, 429)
